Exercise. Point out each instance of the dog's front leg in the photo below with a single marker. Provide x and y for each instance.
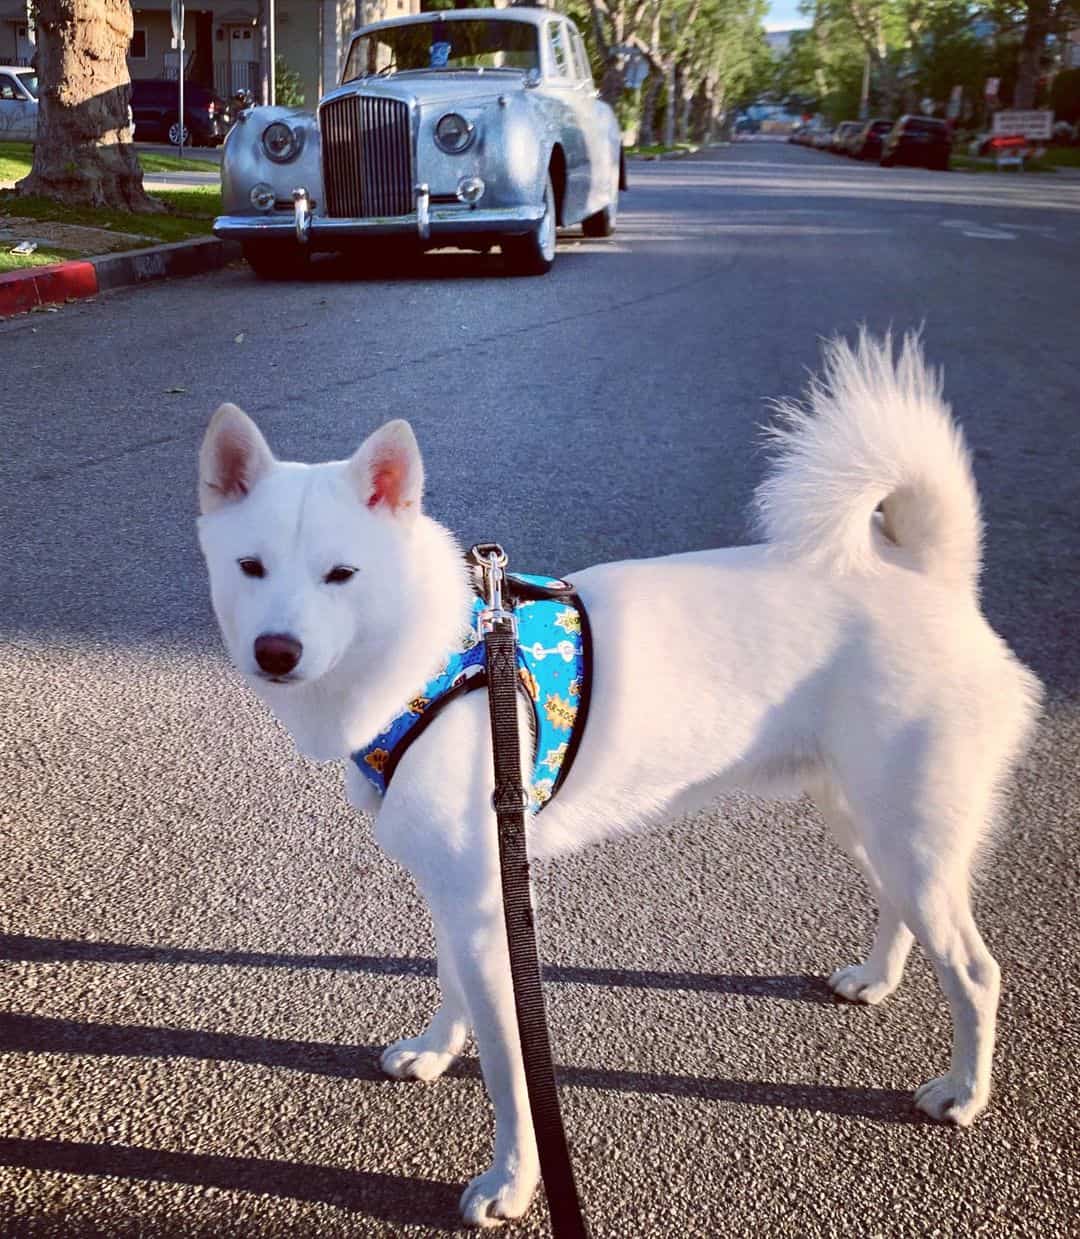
(428, 1055)
(474, 935)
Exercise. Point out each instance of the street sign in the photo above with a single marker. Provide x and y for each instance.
(1014, 122)
(177, 21)
(636, 71)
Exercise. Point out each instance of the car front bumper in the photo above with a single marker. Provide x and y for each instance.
(438, 221)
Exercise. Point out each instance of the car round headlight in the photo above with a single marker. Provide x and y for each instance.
(453, 133)
(281, 142)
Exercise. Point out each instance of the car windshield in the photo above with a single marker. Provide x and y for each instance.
(444, 45)
(29, 82)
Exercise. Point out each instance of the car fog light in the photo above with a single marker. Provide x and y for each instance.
(470, 189)
(262, 197)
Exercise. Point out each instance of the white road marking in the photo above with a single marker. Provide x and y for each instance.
(972, 229)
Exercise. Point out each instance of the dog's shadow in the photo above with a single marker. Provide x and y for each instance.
(393, 1199)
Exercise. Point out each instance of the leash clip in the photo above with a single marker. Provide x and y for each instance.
(491, 559)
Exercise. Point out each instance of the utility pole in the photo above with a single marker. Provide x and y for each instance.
(268, 49)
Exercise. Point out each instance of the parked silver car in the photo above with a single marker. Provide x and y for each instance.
(468, 127)
(18, 103)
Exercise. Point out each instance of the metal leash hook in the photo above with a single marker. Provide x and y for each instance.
(491, 559)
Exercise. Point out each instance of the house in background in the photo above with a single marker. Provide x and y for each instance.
(227, 44)
(16, 42)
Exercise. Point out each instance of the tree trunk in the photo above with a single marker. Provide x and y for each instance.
(669, 103)
(1030, 56)
(647, 131)
(83, 155)
(613, 83)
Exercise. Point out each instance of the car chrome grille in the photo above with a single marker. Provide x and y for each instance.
(367, 157)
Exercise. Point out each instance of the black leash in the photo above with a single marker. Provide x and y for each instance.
(510, 801)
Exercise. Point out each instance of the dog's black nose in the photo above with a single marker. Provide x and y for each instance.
(277, 653)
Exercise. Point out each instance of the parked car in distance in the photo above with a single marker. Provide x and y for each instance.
(155, 103)
(462, 127)
(866, 143)
(18, 103)
(822, 139)
(842, 134)
(921, 140)
(804, 135)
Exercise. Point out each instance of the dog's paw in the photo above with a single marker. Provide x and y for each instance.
(861, 983)
(951, 1100)
(415, 1058)
(496, 1195)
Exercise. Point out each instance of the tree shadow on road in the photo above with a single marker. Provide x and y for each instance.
(31, 1034)
(790, 988)
(390, 1198)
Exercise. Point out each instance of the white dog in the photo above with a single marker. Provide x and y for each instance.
(845, 658)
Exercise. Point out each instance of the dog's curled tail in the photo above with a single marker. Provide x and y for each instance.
(872, 456)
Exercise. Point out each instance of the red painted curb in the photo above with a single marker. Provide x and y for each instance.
(23, 290)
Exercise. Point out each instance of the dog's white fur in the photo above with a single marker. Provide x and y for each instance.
(845, 658)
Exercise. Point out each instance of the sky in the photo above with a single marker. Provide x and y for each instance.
(784, 15)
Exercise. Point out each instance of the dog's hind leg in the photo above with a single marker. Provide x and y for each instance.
(929, 886)
(428, 1055)
(875, 979)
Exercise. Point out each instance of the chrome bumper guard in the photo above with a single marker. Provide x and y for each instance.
(426, 221)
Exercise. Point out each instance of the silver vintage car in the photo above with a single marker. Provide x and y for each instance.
(467, 128)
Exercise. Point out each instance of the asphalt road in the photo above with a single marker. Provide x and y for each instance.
(202, 948)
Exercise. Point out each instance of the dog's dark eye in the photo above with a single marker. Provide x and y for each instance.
(339, 575)
(252, 567)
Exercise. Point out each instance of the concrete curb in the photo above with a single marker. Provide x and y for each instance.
(25, 290)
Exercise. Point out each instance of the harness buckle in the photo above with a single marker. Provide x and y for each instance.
(491, 559)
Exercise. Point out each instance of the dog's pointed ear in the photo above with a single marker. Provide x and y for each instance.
(233, 457)
(387, 471)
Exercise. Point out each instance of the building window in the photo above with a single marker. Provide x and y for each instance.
(137, 50)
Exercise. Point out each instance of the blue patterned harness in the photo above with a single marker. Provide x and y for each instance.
(554, 658)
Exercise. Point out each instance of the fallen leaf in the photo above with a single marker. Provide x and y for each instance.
(240, 338)
(175, 391)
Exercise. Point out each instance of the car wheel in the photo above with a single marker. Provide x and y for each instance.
(602, 224)
(175, 131)
(281, 260)
(534, 252)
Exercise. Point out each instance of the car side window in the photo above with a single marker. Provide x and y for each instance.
(7, 88)
(581, 56)
(560, 53)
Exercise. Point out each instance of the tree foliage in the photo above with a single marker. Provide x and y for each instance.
(703, 57)
(921, 49)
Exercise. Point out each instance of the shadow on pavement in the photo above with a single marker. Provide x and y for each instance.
(29, 1034)
(391, 1198)
(794, 988)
